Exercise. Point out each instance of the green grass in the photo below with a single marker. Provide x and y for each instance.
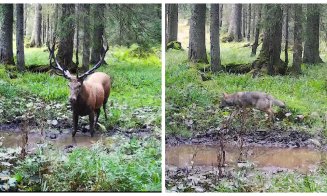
(36, 56)
(188, 97)
(235, 53)
(280, 182)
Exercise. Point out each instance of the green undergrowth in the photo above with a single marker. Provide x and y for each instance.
(236, 53)
(292, 181)
(129, 165)
(192, 104)
(247, 179)
(136, 84)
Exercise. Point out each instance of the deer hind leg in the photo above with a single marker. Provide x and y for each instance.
(91, 118)
(75, 123)
(104, 109)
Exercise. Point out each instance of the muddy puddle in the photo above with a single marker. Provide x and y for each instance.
(61, 141)
(265, 158)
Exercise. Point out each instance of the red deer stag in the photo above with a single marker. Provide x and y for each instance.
(87, 94)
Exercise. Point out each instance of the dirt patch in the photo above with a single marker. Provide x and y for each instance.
(196, 179)
(12, 127)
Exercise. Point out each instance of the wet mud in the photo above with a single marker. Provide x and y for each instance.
(269, 138)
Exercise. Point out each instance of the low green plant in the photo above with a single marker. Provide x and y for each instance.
(132, 166)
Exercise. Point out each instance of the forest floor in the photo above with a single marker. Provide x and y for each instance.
(124, 155)
(194, 120)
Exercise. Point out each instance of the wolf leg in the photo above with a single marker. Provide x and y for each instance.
(271, 117)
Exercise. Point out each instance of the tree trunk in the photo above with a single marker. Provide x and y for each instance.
(253, 21)
(257, 32)
(234, 30)
(286, 34)
(311, 45)
(44, 30)
(214, 38)
(269, 57)
(66, 37)
(121, 25)
(50, 38)
(249, 24)
(48, 28)
(25, 18)
(86, 37)
(243, 20)
(55, 22)
(166, 23)
(197, 46)
(36, 35)
(97, 31)
(297, 47)
(76, 33)
(20, 36)
(221, 15)
(172, 22)
(6, 33)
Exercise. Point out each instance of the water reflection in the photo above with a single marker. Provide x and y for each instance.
(14, 140)
(302, 159)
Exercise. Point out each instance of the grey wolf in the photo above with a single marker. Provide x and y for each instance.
(258, 100)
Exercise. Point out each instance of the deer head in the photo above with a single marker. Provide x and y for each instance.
(75, 82)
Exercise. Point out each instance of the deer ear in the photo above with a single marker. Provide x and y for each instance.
(225, 94)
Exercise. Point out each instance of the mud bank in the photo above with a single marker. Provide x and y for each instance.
(270, 138)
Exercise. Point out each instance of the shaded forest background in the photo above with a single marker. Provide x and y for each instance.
(282, 35)
(78, 30)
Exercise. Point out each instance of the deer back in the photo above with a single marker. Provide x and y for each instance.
(98, 86)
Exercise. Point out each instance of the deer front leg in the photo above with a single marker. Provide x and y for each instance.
(97, 116)
(75, 123)
(91, 118)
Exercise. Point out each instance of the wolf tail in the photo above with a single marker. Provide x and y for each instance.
(278, 103)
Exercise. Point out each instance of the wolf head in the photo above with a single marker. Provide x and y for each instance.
(226, 101)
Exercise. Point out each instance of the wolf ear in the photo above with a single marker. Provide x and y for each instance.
(225, 94)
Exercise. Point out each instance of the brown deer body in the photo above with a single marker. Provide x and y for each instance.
(94, 93)
(87, 92)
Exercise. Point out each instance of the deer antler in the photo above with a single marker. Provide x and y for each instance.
(96, 66)
(65, 73)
